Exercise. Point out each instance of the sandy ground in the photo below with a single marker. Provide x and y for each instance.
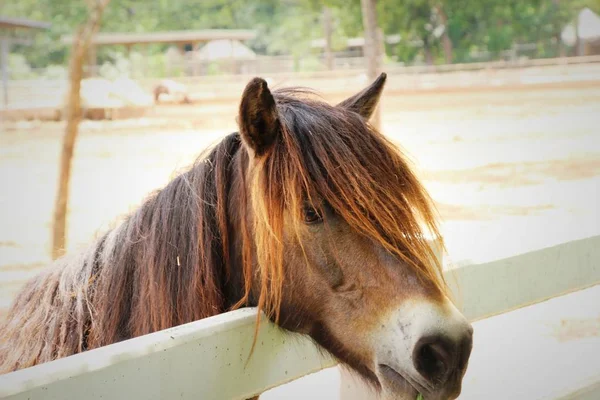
(554, 344)
(510, 171)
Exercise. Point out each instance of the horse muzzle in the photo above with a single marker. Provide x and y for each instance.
(423, 348)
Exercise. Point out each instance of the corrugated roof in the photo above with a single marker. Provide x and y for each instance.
(168, 37)
(6, 22)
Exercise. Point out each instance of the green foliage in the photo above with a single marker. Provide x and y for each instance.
(480, 25)
(52, 72)
(18, 67)
(292, 31)
(120, 67)
(289, 26)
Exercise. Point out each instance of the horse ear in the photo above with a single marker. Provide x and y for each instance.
(258, 119)
(365, 102)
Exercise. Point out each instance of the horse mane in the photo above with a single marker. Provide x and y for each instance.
(165, 265)
(168, 263)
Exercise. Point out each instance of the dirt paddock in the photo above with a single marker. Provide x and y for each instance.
(510, 170)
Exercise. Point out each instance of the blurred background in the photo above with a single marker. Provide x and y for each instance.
(266, 36)
(497, 104)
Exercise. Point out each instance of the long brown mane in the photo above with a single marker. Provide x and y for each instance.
(164, 266)
(174, 261)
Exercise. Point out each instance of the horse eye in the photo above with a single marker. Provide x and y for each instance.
(311, 216)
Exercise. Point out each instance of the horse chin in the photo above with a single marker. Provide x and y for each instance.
(395, 385)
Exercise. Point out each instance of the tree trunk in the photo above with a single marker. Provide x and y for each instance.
(79, 56)
(328, 32)
(428, 53)
(559, 44)
(579, 42)
(558, 32)
(4, 50)
(372, 49)
(446, 42)
(92, 61)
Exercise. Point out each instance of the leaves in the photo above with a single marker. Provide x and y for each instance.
(288, 26)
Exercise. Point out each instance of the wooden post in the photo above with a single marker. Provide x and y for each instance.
(4, 43)
(92, 61)
(372, 49)
(558, 30)
(183, 66)
(195, 61)
(580, 43)
(232, 57)
(380, 47)
(328, 32)
(148, 67)
(82, 44)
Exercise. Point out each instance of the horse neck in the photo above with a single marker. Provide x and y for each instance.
(178, 258)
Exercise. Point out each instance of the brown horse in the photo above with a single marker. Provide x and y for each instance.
(308, 213)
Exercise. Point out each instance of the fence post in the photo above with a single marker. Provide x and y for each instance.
(4, 62)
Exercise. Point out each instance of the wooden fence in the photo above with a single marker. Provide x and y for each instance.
(208, 359)
(49, 94)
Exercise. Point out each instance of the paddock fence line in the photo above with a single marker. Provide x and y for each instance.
(208, 359)
(26, 94)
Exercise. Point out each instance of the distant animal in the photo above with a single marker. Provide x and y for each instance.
(176, 90)
(308, 213)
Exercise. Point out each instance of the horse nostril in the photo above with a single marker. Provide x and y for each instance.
(439, 357)
(433, 358)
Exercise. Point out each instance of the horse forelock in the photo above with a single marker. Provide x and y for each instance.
(335, 156)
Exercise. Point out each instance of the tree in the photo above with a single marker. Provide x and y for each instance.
(79, 56)
(372, 48)
(291, 31)
(328, 32)
(454, 28)
(447, 43)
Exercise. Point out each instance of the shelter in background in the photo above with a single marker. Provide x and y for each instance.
(225, 55)
(353, 46)
(350, 52)
(225, 49)
(185, 41)
(584, 33)
(14, 31)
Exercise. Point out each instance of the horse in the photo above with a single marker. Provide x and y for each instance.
(308, 213)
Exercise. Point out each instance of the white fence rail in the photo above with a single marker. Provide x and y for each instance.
(42, 93)
(496, 287)
(207, 359)
(201, 360)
